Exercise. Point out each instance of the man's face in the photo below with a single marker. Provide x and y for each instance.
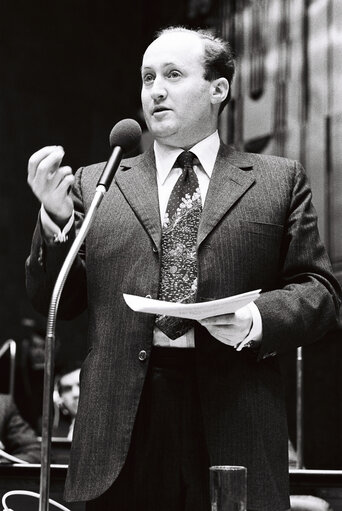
(70, 391)
(175, 96)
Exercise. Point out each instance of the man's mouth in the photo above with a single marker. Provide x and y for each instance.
(159, 109)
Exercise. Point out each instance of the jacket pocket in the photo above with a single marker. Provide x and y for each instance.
(263, 228)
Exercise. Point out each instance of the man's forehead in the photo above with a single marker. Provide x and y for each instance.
(70, 377)
(174, 46)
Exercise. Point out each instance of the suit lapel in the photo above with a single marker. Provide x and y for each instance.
(228, 183)
(139, 186)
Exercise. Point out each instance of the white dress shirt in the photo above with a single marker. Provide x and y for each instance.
(206, 151)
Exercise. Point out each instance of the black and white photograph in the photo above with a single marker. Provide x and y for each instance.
(171, 254)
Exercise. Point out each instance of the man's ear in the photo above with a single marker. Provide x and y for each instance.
(219, 89)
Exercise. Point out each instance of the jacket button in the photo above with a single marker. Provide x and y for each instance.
(142, 355)
(155, 250)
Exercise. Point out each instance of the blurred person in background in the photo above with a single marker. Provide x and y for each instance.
(29, 381)
(17, 438)
(66, 395)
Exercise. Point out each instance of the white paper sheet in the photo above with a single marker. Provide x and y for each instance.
(191, 310)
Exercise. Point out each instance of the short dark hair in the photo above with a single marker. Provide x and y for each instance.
(218, 56)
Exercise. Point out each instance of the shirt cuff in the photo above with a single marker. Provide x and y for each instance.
(255, 333)
(51, 231)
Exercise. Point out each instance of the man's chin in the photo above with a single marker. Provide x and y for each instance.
(160, 126)
(163, 133)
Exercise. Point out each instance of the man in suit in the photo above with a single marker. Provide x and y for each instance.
(17, 438)
(66, 396)
(163, 400)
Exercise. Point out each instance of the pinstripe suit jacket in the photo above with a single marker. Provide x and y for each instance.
(258, 230)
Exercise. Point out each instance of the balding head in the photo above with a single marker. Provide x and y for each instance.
(218, 57)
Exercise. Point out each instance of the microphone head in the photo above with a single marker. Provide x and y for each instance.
(126, 134)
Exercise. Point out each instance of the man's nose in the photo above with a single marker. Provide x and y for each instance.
(158, 90)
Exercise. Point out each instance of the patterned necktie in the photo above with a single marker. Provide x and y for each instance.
(178, 281)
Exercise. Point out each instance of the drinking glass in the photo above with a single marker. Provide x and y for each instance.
(228, 488)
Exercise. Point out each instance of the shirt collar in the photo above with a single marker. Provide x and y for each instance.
(206, 151)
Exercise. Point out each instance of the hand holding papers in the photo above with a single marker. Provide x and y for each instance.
(195, 311)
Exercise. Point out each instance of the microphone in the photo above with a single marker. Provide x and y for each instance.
(124, 137)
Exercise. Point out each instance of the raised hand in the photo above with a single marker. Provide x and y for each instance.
(51, 182)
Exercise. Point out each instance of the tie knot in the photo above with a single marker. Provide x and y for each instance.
(186, 159)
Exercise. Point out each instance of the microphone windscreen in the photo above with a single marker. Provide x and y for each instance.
(126, 134)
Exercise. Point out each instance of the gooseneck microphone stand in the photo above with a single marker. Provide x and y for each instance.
(124, 137)
(50, 348)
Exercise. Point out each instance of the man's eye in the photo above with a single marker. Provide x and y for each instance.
(174, 74)
(65, 388)
(148, 78)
